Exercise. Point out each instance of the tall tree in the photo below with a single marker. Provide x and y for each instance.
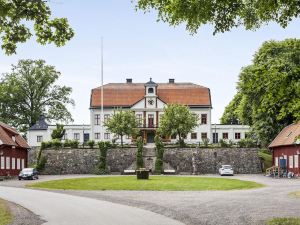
(222, 14)
(268, 96)
(13, 30)
(177, 120)
(122, 123)
(29, 90)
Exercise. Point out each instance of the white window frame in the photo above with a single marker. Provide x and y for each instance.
(18, 164)
(291, 161)
(39, 138)
(2, 162)
(13, 163)
(7, 163)
(75, 136)
(97, 136)
(106, 136)
(276, 161)
(296, 161)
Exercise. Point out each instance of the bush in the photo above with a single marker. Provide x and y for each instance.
(247, 143)
(74, 144)
(67, 144)
(205, 142)
(58, 132)
(91, 143)
(101, 167)
(46, 144)
(160, 149)
(56, 143)
(40, 166)
(139, 155)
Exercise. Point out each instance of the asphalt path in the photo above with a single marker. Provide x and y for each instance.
(63, 209)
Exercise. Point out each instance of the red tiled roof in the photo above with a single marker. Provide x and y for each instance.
(124, 94)
(286, 136)
(5, 137)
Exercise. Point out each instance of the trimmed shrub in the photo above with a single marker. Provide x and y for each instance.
(139, 155)
(205, 142)
(74, 144)
(246, 143)
(224, 143)
(91, 143)
(56, 143)
(46, 144)
(160, 149)
(101, 167)
(67, 144)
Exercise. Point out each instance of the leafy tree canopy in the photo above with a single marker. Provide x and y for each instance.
(122, 123)
(58, 132)
(13, 30)
(177, 120)
(222, 14)
(268, 96)
(29, 91)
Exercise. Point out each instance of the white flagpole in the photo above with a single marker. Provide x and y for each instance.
(102, 116)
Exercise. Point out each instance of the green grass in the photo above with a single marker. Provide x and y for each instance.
(157, 183)
(284, 221)
(5, 216)
(267, 158)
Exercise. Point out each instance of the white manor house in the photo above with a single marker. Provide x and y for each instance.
(147, 101)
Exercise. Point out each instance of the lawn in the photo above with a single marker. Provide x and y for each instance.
(267, 158)
(155, 183)
(5, 216)
(284, 221)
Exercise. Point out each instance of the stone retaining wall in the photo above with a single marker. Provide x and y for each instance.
(184, 161)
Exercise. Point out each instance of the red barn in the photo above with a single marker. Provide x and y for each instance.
(13, 151)
(287, 146)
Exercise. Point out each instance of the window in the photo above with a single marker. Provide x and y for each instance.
(76, 136)
(150, 120)
(2, 163)
(106, 117)
(203, 136)
(7, 163)
(97, 119)
(276, 161)
(291, 161)
(139, 118)
(13, 163)
(22, 163)
(225, 135)
(296, 161)
(18, 164)
(173, 136)
(97, 136)
(237, 136)
(106, 135)
(215, 138)
(193, 135)
(150, 90)
(203, 118)
(39, 138)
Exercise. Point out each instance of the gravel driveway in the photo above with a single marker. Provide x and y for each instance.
(209, 207)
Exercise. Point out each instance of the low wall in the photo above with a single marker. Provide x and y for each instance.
(184, 161)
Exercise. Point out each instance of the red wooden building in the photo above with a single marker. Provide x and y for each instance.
(287, 146)
(13, 151)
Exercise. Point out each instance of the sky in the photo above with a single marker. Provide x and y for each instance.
(137, 46)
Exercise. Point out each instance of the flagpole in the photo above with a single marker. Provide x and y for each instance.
(102, 116)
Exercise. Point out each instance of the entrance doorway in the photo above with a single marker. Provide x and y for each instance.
(150, 137)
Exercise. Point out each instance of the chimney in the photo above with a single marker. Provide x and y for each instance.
(129, 80)
(171, 81)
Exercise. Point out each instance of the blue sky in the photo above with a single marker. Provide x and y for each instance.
(138, 47)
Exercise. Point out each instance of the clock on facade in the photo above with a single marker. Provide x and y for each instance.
(150, 101)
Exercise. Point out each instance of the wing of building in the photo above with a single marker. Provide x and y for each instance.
(147, 101)
(13, 151)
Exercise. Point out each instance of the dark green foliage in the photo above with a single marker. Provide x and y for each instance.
(101, 167)
(160, 149)
(46, 144)
(247, 143)
(67, 143)
(29, 91)
(13, 30)
(91, 143)
(222, 15)
(40, 166)
(142, 174)
(58, 132)
(223, 143)
(268, 96)
(205, 142)
(56, 143)
(139, 155)
(266, 157)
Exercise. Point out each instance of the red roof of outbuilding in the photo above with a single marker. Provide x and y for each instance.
(127, 94)
(5, 137)
(287, 136)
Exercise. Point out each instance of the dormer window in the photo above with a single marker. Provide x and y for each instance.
(14, 138)
(150, 90)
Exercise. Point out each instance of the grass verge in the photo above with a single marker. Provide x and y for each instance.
(266, 157)
(284, 221)
(155, 183)
(5, 215)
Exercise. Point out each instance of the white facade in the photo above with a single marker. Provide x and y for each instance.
(148, 111)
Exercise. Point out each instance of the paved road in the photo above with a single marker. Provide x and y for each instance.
(63, 209)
